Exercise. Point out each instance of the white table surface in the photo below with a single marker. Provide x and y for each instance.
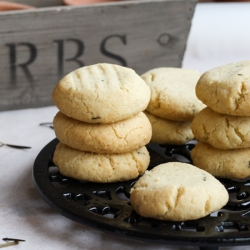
(220, 34)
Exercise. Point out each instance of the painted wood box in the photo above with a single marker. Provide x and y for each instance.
(39, 46)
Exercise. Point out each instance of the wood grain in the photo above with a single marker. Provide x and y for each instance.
(38, 47)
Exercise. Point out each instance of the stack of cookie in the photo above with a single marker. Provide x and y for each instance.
(101, 127)
(223, 128)
(173, 104)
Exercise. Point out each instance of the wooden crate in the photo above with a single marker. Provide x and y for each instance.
(38, 47)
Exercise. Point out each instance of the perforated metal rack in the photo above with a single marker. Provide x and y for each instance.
(106, 206)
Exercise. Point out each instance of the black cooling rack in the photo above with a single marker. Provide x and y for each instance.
(107, 207)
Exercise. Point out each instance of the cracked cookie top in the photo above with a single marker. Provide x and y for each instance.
(101, 168)
(226, 89)
(169, 132)
(101, 93)
(230, 163)
(173, 93)
(177, 191)
(118, 137)
(220, 130)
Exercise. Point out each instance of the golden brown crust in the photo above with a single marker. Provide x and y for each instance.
(120, 137)
(231, 163)
(173, 93)
(222, 131)
(177, 191)
(226, 89)
(100, 168)
(101, 93)
(169, 132)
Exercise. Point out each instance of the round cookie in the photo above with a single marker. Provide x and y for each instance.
(100, 168)
(173, 93)
(101, 93)
(231, 163)
(177, 192)
(169, 132)
(119, 137)
(226, 89)
(222, 131)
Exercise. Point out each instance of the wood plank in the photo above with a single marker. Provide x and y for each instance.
(38, 47)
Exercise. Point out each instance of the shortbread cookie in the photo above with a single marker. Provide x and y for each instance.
(222, 131)
(101, 93)
(177, 192)
(226, 89)
(169, 132)
(230, 163)
(173, 93)
(101, 168)
(118, 137)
